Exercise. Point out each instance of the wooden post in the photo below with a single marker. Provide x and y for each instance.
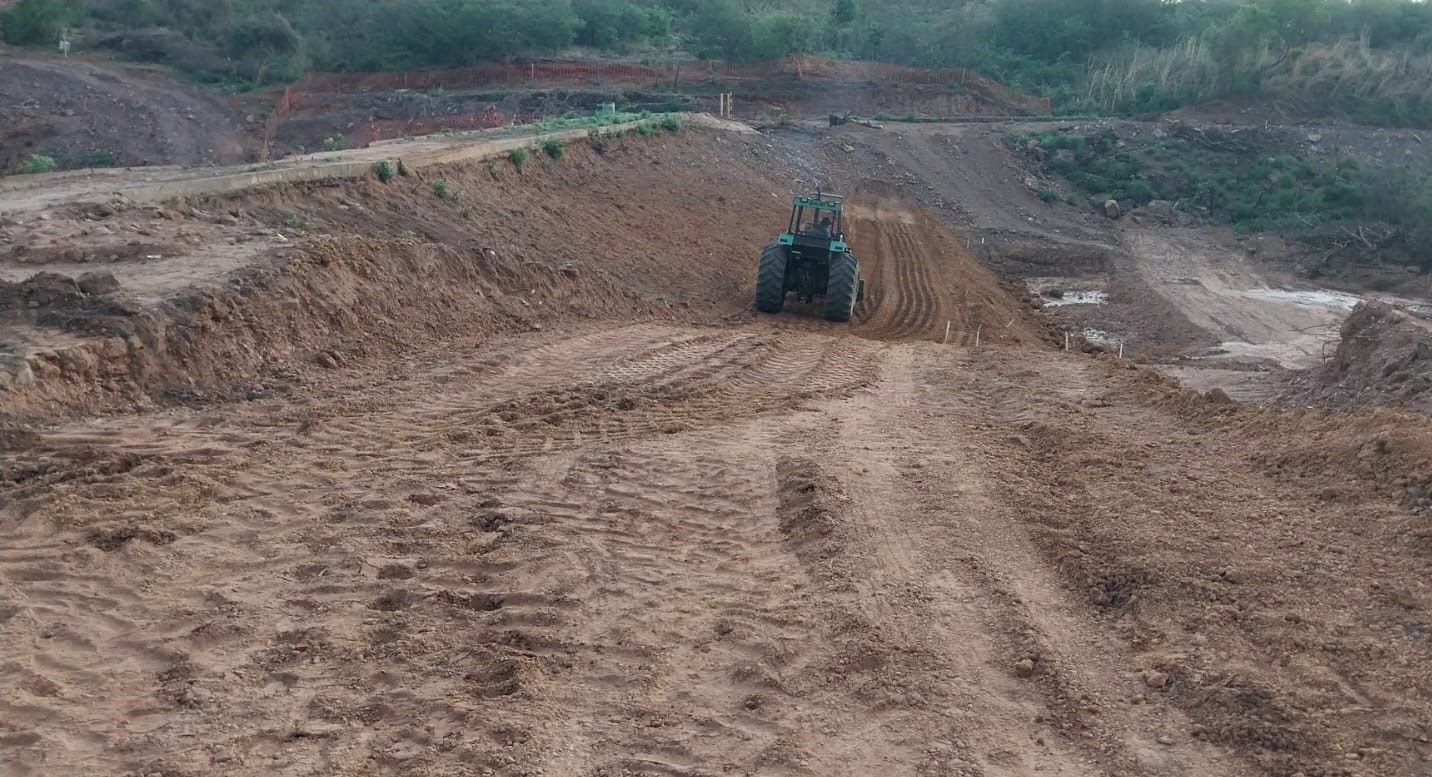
(947, 332)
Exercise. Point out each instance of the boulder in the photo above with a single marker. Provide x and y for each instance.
(1112, 209)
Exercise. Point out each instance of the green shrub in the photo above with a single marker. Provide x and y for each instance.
(39, 21)
(643, 129)
(384, 170)
(1048, 196)
(445, 190)
(294, 220)
(597, 140)
(518, 157)
(671, 123)
(467, 213)
(335, 143)
(1247, 189)
(38, 163)
(554, 147)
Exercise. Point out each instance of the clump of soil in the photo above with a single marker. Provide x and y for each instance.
(808, 509)
(1385, 358)
(74, 304)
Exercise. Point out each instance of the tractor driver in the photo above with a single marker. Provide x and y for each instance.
(822, 229)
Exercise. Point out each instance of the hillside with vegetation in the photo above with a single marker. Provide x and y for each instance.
(1365, 60)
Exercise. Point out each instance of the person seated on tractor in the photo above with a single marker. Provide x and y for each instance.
(821, 229)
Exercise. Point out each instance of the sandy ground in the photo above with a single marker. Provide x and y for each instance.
(629, 540)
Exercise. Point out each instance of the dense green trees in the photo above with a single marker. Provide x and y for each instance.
(40, 21)
(1119, 55)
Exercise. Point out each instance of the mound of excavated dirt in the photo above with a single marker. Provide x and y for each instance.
(661, 228)
(86, 114)
(1384, 358)
(665, 227)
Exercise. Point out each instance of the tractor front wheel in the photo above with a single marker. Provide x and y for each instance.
(771, 279)
(842, 287)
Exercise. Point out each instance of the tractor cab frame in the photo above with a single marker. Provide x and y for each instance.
(811, 260)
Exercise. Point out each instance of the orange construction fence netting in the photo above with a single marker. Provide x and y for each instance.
(578, 73)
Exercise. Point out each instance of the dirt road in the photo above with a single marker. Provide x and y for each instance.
(775, 547)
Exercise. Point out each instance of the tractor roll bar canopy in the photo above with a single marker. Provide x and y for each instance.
(821, 205)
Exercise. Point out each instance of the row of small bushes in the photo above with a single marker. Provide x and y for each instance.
(553, 148)
(43, 163)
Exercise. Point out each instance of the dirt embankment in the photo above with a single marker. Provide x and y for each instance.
(382, 267)
(925, 284)
(635, 228)
(1384, 357)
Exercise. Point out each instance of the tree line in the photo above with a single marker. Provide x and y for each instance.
(1085, 53)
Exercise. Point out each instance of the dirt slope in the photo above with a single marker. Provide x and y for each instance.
(74, 108)
(1383, 357)
(383, 267)
(442, 512)
(922, 280)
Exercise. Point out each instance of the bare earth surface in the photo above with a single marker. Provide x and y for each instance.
(530, 491)
(73, 108)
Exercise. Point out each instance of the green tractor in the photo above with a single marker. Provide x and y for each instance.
(812, 260)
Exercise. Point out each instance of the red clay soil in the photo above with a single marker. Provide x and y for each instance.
(530, 490)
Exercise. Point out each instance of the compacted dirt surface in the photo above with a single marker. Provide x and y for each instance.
(515, 483)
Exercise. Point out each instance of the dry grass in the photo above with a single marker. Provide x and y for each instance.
(1348, 78)
(1140, 75)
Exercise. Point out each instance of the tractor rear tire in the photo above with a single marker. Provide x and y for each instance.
(842, 287)
(771, 279)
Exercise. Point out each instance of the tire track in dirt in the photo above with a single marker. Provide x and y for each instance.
(1160, 524)
(282, 519)
(924, 304)
(919, 278)
(983, 631)
(687, 386)
(696, 647)
(611, 385)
